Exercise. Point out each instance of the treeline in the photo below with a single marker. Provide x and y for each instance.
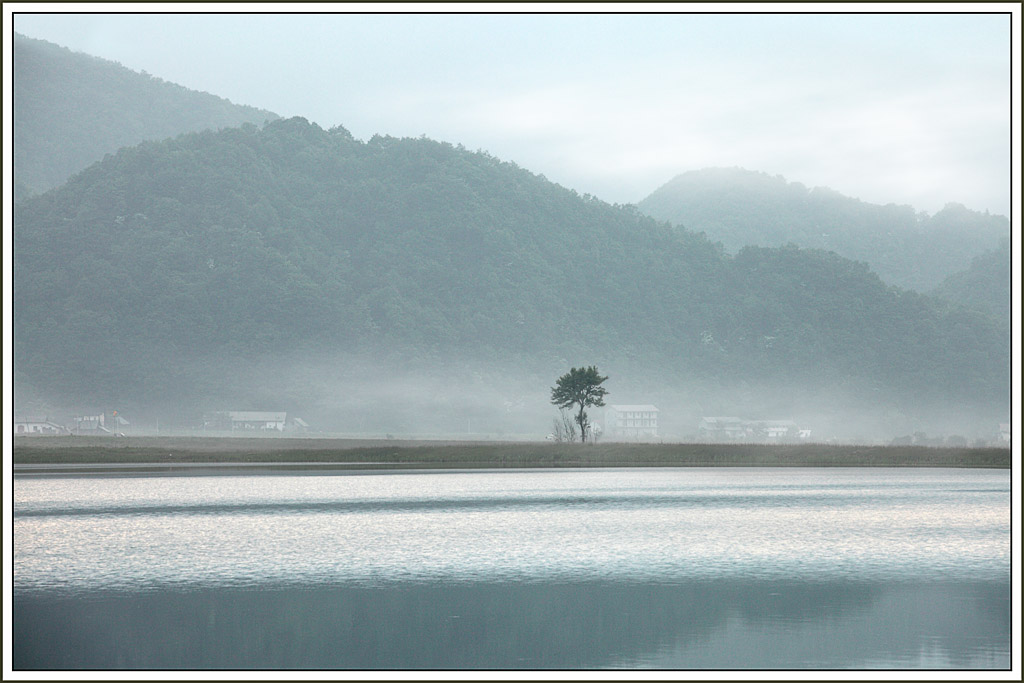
(222, 248)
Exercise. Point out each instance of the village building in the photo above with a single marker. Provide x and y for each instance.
(38, 426)
(89, 424)
(245, 421)
(629, 422)
(772, 430)
(100, 424)
(721, 429)
(718, 429)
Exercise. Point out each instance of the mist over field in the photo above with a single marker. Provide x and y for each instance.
(363, 397)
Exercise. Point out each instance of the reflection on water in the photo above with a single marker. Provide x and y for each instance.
(651, 568)
(414, 625)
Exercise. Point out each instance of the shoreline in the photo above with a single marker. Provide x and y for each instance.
(344, 454)
(201, 470)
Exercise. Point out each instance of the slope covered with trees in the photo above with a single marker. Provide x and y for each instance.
(906, 248)
(984, 286)
(190, 270)
(71, 109)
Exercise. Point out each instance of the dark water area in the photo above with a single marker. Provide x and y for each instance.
(590, 569)
(589, 625)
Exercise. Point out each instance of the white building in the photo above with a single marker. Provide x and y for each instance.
(631, 422)
(91, 424)
(721, 429)
(263, 421)
(103, 423)
(245, 421)
(738, 429)
(773, 430)
(37, 426)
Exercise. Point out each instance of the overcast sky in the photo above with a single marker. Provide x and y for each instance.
(904, 108)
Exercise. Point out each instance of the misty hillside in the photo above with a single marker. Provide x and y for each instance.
(70, 109)
(908, 249)
(985, 286)
(249, 265)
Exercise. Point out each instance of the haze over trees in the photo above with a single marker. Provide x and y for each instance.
(70, 109)
(256, 262)
(984, 286)
(906, 248)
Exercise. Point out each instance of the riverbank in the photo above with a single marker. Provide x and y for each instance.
(394, 454)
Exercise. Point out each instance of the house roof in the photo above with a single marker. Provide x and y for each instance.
(644, 408)
(36, 421)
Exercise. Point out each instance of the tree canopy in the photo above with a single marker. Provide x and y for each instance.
(984, 286)
(580, 388)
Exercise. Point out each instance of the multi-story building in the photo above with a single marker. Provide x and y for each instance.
(631, 422)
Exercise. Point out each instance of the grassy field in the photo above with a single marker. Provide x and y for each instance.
(464, 454)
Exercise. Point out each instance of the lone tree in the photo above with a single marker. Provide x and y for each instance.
(579, 387)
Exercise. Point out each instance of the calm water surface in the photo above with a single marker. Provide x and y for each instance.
(597, 568)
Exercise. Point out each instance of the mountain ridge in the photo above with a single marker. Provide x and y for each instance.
(71, 109)
(907, 248)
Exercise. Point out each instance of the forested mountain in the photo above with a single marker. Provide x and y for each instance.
(985, 286)
(70, 109)
(214, 267)
(906, 248)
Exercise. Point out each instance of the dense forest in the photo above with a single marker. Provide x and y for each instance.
(70, 109)
(984, 286)
(198, 270)
(906, 248)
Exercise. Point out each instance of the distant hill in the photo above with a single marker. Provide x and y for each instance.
(70, 109)
(985, 286)
(275, 265)
(909, 249)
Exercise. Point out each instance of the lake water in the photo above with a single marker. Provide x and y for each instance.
(662, 568)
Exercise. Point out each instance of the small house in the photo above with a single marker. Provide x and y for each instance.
(722, 429)
(245, 421)
(37, 426)
(773, 430)
(90, 424)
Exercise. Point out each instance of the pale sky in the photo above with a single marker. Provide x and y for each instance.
(889, 108)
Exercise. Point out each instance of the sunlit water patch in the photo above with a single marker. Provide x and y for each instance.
(655, 524)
